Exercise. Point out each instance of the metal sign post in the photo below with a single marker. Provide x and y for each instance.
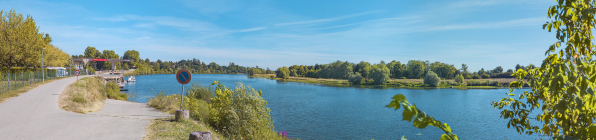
(77, 72)
(183, 76)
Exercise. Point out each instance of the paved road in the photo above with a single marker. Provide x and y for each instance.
(36, 115)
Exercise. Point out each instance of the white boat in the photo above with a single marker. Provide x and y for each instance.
(131, 79)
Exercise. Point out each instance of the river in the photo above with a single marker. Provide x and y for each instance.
(309, 111)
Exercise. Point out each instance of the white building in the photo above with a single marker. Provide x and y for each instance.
(60, 71)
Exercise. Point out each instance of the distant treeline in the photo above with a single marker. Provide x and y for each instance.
(146, 66)
(413, 69)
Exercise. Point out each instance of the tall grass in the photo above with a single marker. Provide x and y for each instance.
(90, 98)
(93, 91)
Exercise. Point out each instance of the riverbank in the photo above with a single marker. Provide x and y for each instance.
(401, 83)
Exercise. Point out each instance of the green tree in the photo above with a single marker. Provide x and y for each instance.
(91, 52)
(131, 54)
(283, 72)
(498, 69)
(21, 42)
(363, 68)
(431, 79)
(355, 79)
(563, 86)
(415, 69)
(380, 74)
(465, 72)
(459, 79)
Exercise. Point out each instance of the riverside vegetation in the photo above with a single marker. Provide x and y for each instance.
(393, 74)
(92, 94)
(238, 113)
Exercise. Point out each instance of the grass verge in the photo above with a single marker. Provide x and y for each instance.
(14, 93)
(167, 128)
(93, 91)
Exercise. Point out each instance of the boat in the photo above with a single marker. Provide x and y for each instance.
(131, 79)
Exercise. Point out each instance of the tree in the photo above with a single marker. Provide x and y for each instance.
(363, 68)
(431, 79)
(415, 69)
(464, 69)
(380, 74)
(498, 69)
(21, 42)
(459, 79)
(355, 79)
(283, 72)
(563, 86)
(131, 54)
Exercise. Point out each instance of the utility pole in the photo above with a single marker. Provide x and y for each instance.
(42, 70)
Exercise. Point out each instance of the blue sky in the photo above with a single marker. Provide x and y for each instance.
(482, 34)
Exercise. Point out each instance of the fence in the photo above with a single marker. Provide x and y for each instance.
(15, 80)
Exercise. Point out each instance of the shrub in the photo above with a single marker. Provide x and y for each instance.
(431, 79)
(112, 91)
(200, 92)
(485, 76)
(380, 74)
(240, 113)
(459, 79)
(282, 72)
(199, 109)
(355, 78)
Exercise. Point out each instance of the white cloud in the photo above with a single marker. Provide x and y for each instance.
(499, 24)
(327, 19)
(252, 29)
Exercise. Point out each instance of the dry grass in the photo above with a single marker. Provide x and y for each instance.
(90, 98)
(306, 79)
(168, 104)
(168, 129)
(5, 96)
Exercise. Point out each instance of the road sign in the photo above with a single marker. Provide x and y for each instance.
(77, 72)
(183, 76)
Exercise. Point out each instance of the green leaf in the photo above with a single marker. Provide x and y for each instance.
(445, 137)
(592, 130)
(404, 138)
(408, 113)
(399, 97)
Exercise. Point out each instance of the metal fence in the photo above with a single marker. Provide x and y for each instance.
(14, 81)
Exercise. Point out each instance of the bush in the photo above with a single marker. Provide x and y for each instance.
(380, 74)
(485, 76)
(459, 79)
(355, 78)
(112, 91)
(200, 92)
(240, 113)
(485, 83)
(431, 79)
(199, 109)
(283, 72)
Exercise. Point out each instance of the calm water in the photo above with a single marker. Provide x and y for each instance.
(308, 111)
